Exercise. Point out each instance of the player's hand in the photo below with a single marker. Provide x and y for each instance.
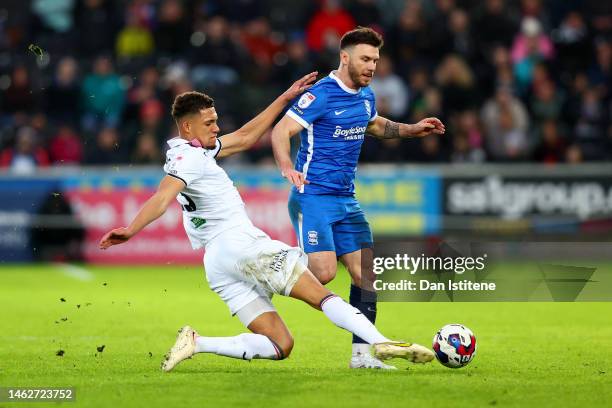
(300, 86)
(114, 237)
(295, 177)
(428, 126)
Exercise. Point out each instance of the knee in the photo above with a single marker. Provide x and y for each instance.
(286, 345)
(325, 274)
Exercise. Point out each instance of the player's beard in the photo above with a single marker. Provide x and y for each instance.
(355, 76)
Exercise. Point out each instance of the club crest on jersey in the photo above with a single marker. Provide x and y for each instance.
(368, 107)
(313, 238)
(306, 100)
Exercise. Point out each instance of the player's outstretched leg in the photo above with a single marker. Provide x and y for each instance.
(310, 290)
(270, 340)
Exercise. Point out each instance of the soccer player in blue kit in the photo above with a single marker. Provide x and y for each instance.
(332, 118)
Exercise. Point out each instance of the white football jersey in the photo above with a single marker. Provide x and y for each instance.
(211, 203)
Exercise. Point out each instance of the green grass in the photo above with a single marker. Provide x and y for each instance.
(529, 354)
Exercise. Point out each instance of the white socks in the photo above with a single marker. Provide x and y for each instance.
(350, 318)
(246, 346)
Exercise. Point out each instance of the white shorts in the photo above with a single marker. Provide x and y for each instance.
(244, 263)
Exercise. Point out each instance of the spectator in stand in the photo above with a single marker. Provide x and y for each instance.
(590, 128)
(62, 97)
(27, 155)
(134, 40)
(390, 88)
(298, 62)
(530, 47)
(468, 139)
(102, 96)
(600, 72)
(461, 40)
(506, 123)
(493, 27)
(546, 103)
(66, 148)
(573, 45)
(409, 40)
(365, 12)
(439, 28)
(106, 149)
(172, 32)
(552, 146)
(330, 18)
(263, 47)
(147, 150)
(53, 25)
(456, 83)
(97, 23)
(21, 95)
(218, 58)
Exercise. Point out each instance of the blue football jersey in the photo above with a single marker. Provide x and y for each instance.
(335, 119)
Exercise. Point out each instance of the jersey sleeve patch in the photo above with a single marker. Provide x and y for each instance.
(183, 165)
(309, 107)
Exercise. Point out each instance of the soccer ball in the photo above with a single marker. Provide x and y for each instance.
(455, 345)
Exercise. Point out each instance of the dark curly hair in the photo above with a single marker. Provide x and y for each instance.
(361, 35)
(189, 103)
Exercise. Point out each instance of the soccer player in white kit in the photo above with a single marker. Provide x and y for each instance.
(243, 265)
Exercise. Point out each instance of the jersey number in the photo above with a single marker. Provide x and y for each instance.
(190, 206)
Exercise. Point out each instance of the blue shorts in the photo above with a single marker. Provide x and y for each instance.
(329, 223)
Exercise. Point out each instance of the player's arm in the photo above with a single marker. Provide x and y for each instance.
(151, 210)
(245, 137)
(383, 128)
(284, 130)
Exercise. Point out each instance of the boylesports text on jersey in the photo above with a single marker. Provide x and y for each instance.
(354, 133)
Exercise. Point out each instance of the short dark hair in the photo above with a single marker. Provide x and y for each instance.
(361, 35)
(189, 103)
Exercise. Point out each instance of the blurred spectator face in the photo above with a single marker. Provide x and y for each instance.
(108, 139)
(149, 77)
(503, 97)
(431, 145)
(445, 5)
(146, 147)
(384, 67)
(545, 91)
(20, 77)
(573, 154)
(66, 71)
(331, 6)
(297, 50)
(549, 132)
(460, 144)
(217, 28)
(410, 19)
(433, 100)
(540, 74)
(93, 3)
(151, 113)
(39, 122)
(103, 66)
(171, 11)
(604, 54)
(459, 21)
(419, 80)
(581, 83)
(531, 7)
(25, 142)
(495, 6)
(501, 56)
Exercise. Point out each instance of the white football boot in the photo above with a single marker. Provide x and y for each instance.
(183, 348)
(414, 353)
(367, 360)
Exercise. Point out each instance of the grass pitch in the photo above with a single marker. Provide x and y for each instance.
(529, 354)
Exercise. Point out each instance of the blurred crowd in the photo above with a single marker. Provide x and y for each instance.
(92, 81)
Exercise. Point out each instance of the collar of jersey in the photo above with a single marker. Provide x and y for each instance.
(341, 84)
(177, 141)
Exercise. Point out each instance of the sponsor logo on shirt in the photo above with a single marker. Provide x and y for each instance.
(354, 133)
(306, 100)
(198, 222)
